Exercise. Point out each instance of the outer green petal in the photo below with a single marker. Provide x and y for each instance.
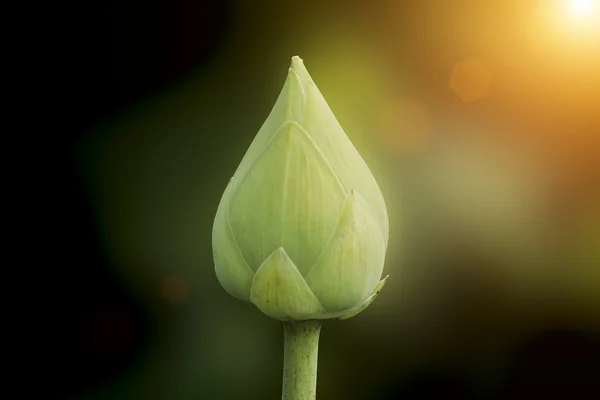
(356, 310)
(280, 292)
(287, 108)
(352, 262)
(289, 198)
(320, 123)
(345, 314)
(230, 266)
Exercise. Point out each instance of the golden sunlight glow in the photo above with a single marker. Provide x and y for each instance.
(581, 21)
(581, 8)
(570, 28)
(582, 11)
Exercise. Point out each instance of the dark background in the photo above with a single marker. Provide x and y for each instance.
(493, 294)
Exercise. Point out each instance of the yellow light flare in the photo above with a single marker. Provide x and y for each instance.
(581, 8)
(568, 30)
(581, 13)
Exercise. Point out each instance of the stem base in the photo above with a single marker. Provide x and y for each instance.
(301, 348)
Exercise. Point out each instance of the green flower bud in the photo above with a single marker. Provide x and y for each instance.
(302, 229)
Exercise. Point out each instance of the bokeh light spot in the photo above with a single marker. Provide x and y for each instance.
(175, 288)
(471, 80)
(404, 126)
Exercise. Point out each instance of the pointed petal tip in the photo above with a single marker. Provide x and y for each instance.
(297, 66)
(280, 252)
(279, 290)
(366, 303)
(381, 283)
(280, 255)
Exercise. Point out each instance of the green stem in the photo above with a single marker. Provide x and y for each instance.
(301, 348)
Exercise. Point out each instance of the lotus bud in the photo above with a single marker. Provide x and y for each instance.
(302, 229)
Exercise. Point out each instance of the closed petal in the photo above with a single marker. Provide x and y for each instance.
(320, 123)
(366, 303)
(287, 108)
(352, 262)
(301, 101)
(230, 266)
(351, 312)
(289, 198)
(280, 292)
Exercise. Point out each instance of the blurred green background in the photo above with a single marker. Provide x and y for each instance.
(480, 121)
